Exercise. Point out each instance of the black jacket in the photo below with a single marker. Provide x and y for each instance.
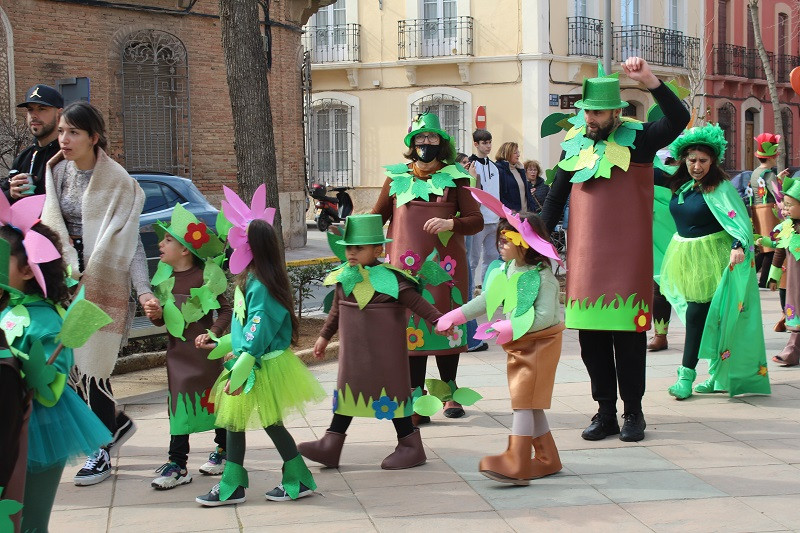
(509, 190)
(22, 163)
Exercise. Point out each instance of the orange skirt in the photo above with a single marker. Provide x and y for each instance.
(532, 362)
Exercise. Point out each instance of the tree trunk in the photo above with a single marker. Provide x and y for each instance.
(246, 65)
(773, 92)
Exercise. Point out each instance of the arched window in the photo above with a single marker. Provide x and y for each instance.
(726, 116)
(332, 143)
(450, 111)
(155, 103)
(788, 126)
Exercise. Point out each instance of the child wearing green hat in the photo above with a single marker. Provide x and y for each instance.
(369, 311)
(189, 284)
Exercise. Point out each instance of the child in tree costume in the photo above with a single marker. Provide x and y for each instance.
(189, 284)
(607, 172)
(61, 426)
(709, 265)
(263, 381)
(785, 237)
(429, 210)
(531, 336)
(369, 311)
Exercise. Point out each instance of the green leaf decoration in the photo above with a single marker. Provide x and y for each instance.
(577, 120)
(223, 348)
(455, 295)
(440, 180)
(569, 163)
(82, 319)
(552, 123)
(333, 275)
(241, 370)
(604, 167)
(421, 189)
(15, 322)
(433, 273)
(466, 396)
(583, 174)
(632, 123)
(439, 389)
(173, 319)
(251, 380)
(327, 303)
(399, 168)
(363, 293)
(623, 136)
(573, 146)
(426, 294)
(214, 278)
(334, 236)
(527, 290)
(56, 389)
(400, 183)
(404, 197)
(618, 155)
(164, 291)
(163, 272)
(38, 374)
(239, 307)
(383, 280)
(192, 310)
(204, 299)
(521, 324)
(349, 277)
(427, 405)
(680, 91)
(510, 301)
(496, 287)
(551, 176)
(223, 225)
(7, 509)
(444, 237)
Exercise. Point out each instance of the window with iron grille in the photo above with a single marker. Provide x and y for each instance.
(450, 111)
(726, 116)
(155, 103)
(332, 142)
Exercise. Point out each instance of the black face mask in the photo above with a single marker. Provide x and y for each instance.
(427, 152)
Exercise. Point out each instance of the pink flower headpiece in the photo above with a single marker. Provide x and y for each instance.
(238, 214)
(23, 215)
(542, 246)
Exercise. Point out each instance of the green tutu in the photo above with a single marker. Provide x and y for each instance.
(693, 267)
(283, 386)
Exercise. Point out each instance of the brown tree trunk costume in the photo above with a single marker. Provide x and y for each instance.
(531, 367)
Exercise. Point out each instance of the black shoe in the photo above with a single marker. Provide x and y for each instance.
(633, 428)
(96, 469)
(212, 498)
(125, 430)
(601, 427)
(482, 347)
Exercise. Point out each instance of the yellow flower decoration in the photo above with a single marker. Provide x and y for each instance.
(414, 338)
(514, 238)
(762, 370)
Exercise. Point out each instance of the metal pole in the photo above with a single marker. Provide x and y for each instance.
(607, 37)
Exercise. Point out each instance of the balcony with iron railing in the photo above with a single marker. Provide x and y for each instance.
(331, 44)
(784, 65)
(439, 37)
(734, 60)
(658, 46)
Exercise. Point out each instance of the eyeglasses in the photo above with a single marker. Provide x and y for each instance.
(431, 138)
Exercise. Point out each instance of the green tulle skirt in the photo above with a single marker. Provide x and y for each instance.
(283, 386)
(693, 267)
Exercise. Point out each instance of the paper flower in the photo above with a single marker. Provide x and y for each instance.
(790, 312)
(761, 183)
(762, 370)
(724, 355)
(414, 338)
(762, 191)
(773, 235)
(206, 402)
(335, 400)
(196, 234)
(23, 215)
(449, 265)
(455, 339)
(240, 215)
(731, 213)
(410, 261)
(514, 238)
(748, 192)
(642, 321)
(384, 408)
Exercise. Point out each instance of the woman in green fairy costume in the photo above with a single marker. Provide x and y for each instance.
(429, 210)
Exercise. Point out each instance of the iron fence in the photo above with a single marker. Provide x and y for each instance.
(330, 44)
(734, 60)
(435, 37)
(784, 65)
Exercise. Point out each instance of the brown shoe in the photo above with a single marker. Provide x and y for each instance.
(325, 451)
(545, 457)
(780, 326)
(513, 465)
(408, 453)
(658, 343)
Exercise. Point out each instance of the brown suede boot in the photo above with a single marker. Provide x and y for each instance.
(408, 453)
(325, 451)
(780, 325)
(545, 456)
(658, 343)
(512, 466)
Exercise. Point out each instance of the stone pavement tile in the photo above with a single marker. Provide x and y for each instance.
(764, 480)
(463, 522)
(782, 508)
(146, 411)
(319, 508)
(359, 477)
(570, 439)
(783, 391)
(71, 497)
(474, 424)
(717, 410)
(727, 515)
(651, 485)
(75, 520)
(595, 518)
(171, 517)
(551, 491)
(491, 378)
(567, 374)
(757, 428)
(714, 454)
(362, 525)
(391, 501)
(614, 460)
(579, 390)
(784, 450)
(680, 432)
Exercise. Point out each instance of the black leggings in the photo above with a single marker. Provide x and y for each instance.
(402, 426)
(661, 307)
(448, 368)
(696, 313)
(613, 357)
(281, 438)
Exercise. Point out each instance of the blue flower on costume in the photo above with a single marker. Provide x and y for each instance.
(335, 402)
(384, 408)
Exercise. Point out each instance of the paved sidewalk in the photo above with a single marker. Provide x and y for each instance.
(709, 463)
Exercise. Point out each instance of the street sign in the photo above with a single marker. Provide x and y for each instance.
(480, 117)
(553, 100)
(568, 100)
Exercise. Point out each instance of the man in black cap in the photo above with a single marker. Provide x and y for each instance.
(43, 104)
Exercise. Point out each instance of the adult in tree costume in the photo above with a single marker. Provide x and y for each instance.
(607, 167)
(710, 265)
(429, 209)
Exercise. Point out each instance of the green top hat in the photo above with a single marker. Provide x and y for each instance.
(5, 256)
(423, 123)
(363, 229)
(191, 232)
(710, 135)
(601, 93)
(791, 187)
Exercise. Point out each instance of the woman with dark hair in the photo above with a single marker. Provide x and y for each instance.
(429, 210)
(93, 205)
(536, 184)
(708, 272)
(514, 190)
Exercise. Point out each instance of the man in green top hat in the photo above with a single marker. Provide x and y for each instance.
(607, 171)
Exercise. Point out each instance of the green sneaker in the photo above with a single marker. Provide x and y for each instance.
(683, 387)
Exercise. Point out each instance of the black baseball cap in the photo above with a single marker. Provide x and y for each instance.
(44, 95)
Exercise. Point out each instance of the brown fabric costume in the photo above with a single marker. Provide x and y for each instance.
(405, 230)
(531, 367)
(764, 220)
(189, 371)
(373, 356)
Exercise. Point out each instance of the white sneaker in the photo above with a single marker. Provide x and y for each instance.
(171, 476)
(215, 464)
(96, 469)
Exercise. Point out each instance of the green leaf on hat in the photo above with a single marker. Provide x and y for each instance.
(163, 272)
(618, 155)
(466, 396)
(192, 309)
(349, 277)
(384, 280)
(400, 183)
(224, 345)
(427, 405)
(439, 389)
(223, 225)
(14, 323)
(334, 235)
(82, 319)
(173, 319)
